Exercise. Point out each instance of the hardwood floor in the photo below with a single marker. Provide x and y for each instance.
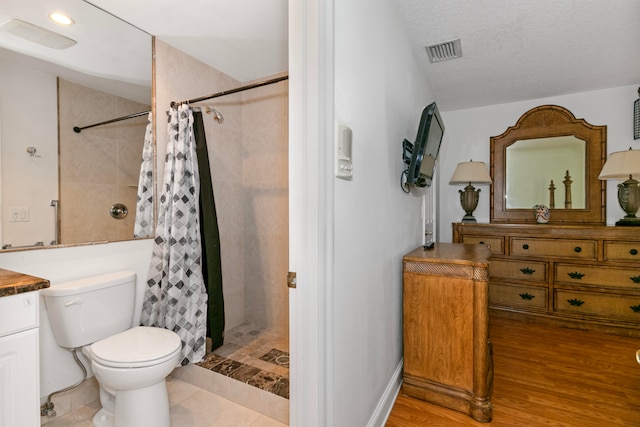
(546, 376)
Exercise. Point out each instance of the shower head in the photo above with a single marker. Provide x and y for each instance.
(216, 114)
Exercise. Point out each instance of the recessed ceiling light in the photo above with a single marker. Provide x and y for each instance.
(61, 18)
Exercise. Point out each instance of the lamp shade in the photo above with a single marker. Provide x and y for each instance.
(621, 165)
(471, 173)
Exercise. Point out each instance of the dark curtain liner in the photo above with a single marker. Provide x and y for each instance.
(210, 236)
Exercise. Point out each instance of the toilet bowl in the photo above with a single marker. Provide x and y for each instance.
(130, 362)
(131, 368)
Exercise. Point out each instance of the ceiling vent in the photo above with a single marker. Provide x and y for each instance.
(37, 34)
(444, 51)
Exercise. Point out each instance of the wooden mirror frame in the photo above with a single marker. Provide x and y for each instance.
(543, 122)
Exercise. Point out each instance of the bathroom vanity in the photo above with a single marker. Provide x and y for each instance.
(19, 357)
(447, 352)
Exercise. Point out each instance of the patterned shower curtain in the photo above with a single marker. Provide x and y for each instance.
(175, 297)
(144, 204)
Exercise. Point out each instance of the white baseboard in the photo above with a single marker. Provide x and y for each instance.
(385, 404)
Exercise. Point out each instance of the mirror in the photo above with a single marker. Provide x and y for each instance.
(548, 157)
(558, 185)
(58, 186)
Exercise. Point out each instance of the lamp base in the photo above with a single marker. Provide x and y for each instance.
(628, 221)
(629, 199)
(469, 201)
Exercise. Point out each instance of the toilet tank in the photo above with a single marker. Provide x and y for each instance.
(87, 310)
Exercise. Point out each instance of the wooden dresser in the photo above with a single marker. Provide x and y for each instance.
(587, 277)
(447, 354)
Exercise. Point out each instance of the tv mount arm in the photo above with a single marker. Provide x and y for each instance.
(407, 150)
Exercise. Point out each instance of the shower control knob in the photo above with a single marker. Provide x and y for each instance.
(118, 211)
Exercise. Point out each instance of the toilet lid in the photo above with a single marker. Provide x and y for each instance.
(139, 346)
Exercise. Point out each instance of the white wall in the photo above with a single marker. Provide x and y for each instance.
(57, 367)
(379, 94)
(468, 131)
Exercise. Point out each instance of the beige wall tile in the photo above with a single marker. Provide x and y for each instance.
(99, 166)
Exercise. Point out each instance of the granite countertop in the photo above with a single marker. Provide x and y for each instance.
(12, 282)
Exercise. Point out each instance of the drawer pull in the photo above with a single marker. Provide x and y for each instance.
(633, 252)
(635, 279)
(575, 301)
(527, 270)
(525, 246)
(577, 249)
(575, 275)
(527, 297)
(635, 308)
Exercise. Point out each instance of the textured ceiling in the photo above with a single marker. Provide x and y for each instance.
(512, 49)
(525, 49)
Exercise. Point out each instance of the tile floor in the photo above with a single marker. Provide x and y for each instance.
(191, 406)
(236, 385)
(255, 356)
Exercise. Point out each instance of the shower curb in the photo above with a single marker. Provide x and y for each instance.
(264, 402)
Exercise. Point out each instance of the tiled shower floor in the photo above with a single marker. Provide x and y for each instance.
(254, 356)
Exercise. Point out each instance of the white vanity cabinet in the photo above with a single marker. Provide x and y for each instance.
(19, 360)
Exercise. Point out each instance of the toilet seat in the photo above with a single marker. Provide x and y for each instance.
(136, 347)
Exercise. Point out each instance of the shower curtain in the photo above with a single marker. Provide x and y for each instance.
(144, 203)
(175, 297)
(211, 265)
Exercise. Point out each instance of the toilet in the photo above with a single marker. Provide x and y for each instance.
(96, 314)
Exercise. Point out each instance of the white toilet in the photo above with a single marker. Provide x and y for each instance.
(130, 362)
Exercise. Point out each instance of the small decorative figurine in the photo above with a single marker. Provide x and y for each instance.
(542, 214)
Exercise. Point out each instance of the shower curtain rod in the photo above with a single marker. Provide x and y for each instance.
(130, 116)
(231, 91)
(190, 101)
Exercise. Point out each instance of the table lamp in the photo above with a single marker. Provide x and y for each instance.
(470, 173)
(623, 165)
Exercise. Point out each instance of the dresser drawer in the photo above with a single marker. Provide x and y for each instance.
(495, 243)
(565, 248)
(529, 271)
(622, 251)
(523, 297)
(612, 306)
(593, 275)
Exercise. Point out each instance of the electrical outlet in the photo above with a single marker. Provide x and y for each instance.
(18, 214)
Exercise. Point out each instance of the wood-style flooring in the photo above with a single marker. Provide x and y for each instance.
(547, 376)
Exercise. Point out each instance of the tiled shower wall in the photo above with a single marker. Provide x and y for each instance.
(266, 204)
(248, 157)
(98, 166)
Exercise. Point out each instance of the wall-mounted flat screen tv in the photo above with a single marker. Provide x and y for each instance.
(421, 155)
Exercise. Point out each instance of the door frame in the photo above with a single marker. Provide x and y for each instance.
(311, 117)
